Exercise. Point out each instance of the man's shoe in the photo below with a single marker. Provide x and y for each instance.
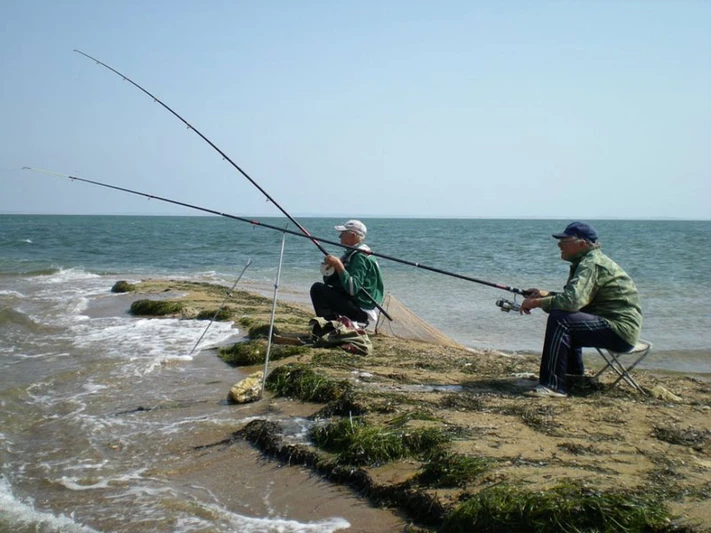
(544, 392)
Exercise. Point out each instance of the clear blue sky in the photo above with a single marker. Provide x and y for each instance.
(556, 109)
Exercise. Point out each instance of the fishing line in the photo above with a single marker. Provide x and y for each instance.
(291, 232)
(235, 165)
(227, 295)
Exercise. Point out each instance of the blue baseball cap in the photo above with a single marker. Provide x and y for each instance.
(579, 230)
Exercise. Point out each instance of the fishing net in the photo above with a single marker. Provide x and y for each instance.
(407, 325)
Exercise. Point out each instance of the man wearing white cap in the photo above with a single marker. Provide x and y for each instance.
(351, 282)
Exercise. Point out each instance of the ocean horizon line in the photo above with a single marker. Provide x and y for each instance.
(364, 217)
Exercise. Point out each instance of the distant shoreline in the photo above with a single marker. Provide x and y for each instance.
(364, 217)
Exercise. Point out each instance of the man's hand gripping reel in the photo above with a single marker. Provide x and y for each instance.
(327, 270)
(508, 305)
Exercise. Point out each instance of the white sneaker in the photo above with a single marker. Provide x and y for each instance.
(544, 392)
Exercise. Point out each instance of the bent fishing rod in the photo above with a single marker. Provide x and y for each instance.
(284, 230)
(235, 165)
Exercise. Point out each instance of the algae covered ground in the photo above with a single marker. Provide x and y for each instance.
(445, 436)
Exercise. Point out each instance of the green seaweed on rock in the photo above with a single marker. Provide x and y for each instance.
(155, 307)
(123, 286)
(447, 469)
(254, 352)
(262, 331)
(221, 315)
(567, 507)
(359, 443)
(245, 321)
(299, 381)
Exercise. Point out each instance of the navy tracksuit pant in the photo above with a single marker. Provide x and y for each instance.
(566, 335)
(330, 302)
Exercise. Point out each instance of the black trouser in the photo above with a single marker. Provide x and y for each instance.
(566, 334)
(330, 302)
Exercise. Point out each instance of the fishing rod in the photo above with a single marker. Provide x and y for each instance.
(284, 230)
(235, 165)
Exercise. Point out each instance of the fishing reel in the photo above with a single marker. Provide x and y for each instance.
(508, 306)
(327, 270)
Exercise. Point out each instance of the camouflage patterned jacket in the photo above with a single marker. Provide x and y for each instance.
(598, 286)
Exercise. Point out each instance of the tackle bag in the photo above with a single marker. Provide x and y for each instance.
(340, 332)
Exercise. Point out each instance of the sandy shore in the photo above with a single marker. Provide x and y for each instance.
(602, 438)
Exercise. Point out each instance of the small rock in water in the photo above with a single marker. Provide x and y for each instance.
(247, 390)
(188, 313)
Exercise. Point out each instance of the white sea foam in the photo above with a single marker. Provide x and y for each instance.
(176, 358)
(180, 426)
(80, 305)
(147, 343)
(134, 491)
(22, 514)
(61, 299)
(77, 483)
(36, 392)
(74, 484)
(230, 521)
(198, 515)
(85, 464)
(296, 429)
(39, 355)
(5, 351)
(4, 292)
(208, 274)
(69, 275)
(92, 388)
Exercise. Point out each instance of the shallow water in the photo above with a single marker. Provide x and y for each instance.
(102, 413)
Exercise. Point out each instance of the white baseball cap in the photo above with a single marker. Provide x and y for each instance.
(355, 226)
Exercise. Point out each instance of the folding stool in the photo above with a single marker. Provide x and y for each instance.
(612, 360)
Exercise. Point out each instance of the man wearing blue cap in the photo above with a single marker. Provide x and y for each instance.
(599, 307)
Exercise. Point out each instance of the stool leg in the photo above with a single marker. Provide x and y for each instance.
(626, 372)
(604, 368)
(623, 373)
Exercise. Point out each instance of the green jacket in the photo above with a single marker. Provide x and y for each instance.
(362, 271)
(598, 286)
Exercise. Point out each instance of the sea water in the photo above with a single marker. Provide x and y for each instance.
(74, 366)
(669, 261)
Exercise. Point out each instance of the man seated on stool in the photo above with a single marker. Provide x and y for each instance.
(599, 307)
(348, 281)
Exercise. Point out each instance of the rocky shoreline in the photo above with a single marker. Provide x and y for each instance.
(443, 435)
